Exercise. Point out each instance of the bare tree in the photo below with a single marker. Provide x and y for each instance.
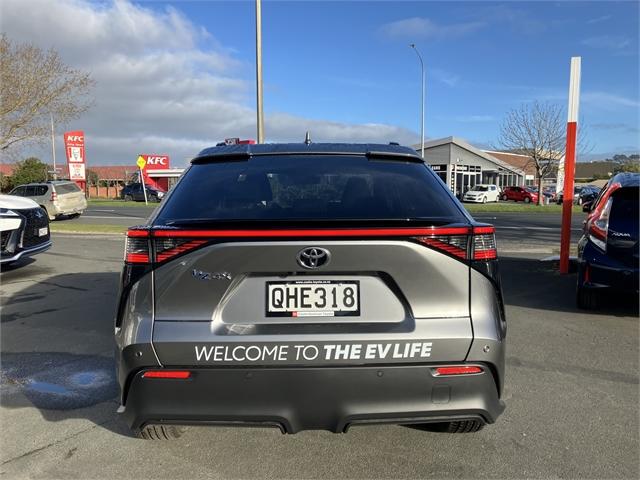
(538, 130)
(36, 84)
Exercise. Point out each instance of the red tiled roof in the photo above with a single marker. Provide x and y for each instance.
(114, 172)
(7, 168)
(523, 162)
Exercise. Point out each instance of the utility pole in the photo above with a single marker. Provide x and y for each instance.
(413, 45)
(260, 113)
(53, 148)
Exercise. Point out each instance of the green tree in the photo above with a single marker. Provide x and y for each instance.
(5, 183)
(628, 166)
(92, 178)
(29, 170)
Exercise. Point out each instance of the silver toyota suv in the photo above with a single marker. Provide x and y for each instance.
(314, 286)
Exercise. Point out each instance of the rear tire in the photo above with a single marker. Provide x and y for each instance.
(51, 218)
(128, 198)
(587, 299)
(161, 432)
(504, 198)
(464, 426)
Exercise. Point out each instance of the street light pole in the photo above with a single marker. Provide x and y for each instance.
(413, 45)
(53, 149)
(260, 113)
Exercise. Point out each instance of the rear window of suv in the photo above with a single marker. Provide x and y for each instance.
(309, 188)
(67, 188)
(625, 211)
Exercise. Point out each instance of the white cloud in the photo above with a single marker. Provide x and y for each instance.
(420, 27)
(443, 76)
(163, 83)
(609, 100)
(610, 42)
(475, 118)
(601, 19)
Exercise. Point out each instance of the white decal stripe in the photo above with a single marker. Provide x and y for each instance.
(574, 90)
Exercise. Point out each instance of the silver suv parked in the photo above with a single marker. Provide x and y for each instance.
(57, 198)
(310, 287)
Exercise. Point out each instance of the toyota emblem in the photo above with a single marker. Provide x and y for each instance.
(313, 257)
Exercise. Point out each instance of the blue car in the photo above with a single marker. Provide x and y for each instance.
(608, 249)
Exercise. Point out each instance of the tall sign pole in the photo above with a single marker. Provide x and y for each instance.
(260, 113)
(570, 163)
(142, 163)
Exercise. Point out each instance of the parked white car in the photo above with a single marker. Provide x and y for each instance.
(482, 193)
(24, 228)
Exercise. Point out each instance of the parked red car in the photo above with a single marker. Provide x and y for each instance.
(519, 194)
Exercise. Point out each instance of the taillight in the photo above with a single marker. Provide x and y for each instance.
(454, 244)
(54, 196)
(598, 220)
(599, 226)
(478, 243)
(170, 247)
(484, 243)
(136, 248)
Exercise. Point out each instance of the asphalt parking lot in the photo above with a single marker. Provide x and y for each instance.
(571, 391)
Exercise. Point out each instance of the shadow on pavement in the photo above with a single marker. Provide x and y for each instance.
(534, 284)
(57, 347)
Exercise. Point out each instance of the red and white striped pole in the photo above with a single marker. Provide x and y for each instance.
(570, 163)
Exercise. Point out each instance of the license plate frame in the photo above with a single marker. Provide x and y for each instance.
(309, 313)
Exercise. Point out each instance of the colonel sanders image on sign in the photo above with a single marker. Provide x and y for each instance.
(76, 154)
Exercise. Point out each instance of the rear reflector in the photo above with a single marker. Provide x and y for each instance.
(458, 370)
(179, 374)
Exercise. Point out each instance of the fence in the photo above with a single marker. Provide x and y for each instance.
(104, 192)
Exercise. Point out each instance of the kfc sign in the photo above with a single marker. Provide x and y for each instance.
(155, 162)
(74, 148)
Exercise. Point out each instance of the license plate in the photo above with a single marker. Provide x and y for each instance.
(313, 298)
(43, 231)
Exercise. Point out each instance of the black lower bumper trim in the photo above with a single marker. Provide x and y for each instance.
(296, 399)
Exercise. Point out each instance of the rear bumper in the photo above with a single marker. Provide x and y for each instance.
(296, 399)
(606, 272)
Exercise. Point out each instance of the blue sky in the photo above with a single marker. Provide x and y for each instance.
(349, 61)
(175, 77)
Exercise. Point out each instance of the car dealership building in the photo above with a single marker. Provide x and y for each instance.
(460, 165)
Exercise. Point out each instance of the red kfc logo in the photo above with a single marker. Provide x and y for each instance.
(156, 162)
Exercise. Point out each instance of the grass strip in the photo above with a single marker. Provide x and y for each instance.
(103, 202)
(86, 228)
(517, 207)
